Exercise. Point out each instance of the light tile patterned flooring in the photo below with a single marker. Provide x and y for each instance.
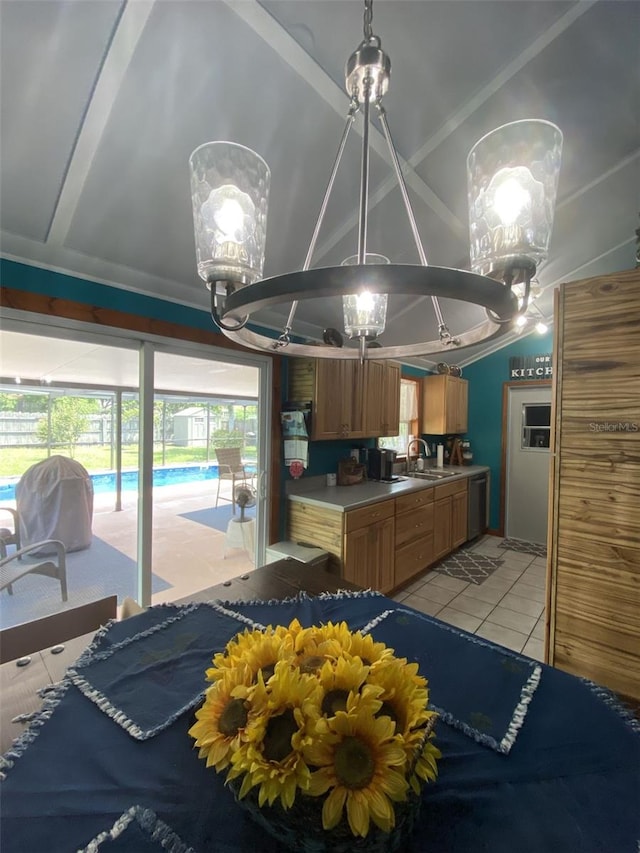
(508, 608)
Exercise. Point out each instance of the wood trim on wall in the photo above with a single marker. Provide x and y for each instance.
(554, 469)
(504, 440)
(48, 306)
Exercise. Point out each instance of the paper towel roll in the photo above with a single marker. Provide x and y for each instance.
(440, 462)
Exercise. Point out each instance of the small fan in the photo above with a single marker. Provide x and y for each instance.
(245, 497)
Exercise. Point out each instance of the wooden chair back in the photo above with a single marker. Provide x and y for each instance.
(229, 461)
(21, 640)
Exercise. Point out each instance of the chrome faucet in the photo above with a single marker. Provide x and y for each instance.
(419, 441)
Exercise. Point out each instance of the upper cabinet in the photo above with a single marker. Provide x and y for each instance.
(349, 399)
(382, 398)
(444, 405)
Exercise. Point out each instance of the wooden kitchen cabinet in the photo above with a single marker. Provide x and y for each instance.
(413, 534)
(382, 398)
(385, 544)
(459, 514)
(449, 517)
(336, 391)
(444, 405)
(368, 550)
(349, 399)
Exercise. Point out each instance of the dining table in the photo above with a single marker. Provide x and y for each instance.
(534, 760)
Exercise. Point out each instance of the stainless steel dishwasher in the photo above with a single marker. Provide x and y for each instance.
(477, 509)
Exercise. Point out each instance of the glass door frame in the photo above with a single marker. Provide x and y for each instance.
(147, 345)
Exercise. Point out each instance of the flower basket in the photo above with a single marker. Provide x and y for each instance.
(325, 736)
(300, 828)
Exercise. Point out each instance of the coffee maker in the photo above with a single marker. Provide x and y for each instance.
(380, 464)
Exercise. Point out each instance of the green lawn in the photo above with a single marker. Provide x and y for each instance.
(14, 461)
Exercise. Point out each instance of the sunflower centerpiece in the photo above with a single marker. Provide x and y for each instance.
(321, 729)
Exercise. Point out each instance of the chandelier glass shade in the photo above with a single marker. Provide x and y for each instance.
(512, 182)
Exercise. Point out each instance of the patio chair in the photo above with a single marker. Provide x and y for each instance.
(9, 536)
(230, 467)
(13, 567)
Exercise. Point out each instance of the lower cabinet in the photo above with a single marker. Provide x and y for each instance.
(384, 545)
(368, 550)
(414, 534)
(449, 518)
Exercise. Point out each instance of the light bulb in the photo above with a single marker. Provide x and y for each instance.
(510, 199)
(230, 214)
(364, 301)
(365, 313)
(541, 328)
(229, 218)
(521, 321)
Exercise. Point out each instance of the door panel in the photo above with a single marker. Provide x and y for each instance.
(527, 474)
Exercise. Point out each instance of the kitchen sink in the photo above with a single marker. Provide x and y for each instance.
(430, 475)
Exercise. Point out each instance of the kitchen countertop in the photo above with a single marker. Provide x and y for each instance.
(345, 498)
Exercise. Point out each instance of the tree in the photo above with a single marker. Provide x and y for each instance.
(69, 419)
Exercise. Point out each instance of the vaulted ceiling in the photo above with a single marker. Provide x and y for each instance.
(103, 101)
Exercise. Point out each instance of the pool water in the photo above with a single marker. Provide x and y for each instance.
(105, 483)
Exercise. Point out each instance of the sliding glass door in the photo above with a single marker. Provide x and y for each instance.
(69, 447)
(152, 422)
(208, 438)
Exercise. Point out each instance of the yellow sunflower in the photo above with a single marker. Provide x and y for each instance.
(425, 767)
(315, 645)
(365, 647)
(272, 756)
(405, 695)
(338, 679)
(260, 650)
(359, 761)
(223, 717)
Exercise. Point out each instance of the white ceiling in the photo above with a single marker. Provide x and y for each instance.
(103, 101)
(45, 362)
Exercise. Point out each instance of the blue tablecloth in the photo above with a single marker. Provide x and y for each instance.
(569, 779)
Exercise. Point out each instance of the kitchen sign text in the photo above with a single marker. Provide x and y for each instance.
(530, 367)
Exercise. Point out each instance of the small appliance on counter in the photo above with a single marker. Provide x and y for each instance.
(380, 464)
(350, 472)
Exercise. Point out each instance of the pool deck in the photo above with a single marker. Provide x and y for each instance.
(188, 555)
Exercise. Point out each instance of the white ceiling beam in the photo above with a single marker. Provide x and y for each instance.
(118, 56)
(460, 116)
(287, 48)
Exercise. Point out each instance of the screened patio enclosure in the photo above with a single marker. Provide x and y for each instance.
(145, 419)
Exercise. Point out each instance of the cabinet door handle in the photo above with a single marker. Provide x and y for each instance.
(421, 524)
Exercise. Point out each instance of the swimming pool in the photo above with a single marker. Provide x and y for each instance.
(105, 483)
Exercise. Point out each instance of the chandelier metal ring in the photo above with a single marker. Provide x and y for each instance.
(404, 279)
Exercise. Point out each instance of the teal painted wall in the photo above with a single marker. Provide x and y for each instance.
(486, 378)
(61, 286)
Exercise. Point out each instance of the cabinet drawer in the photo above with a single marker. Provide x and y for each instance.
(414, 525)
(413, 558)
(357, 518)
(413, 500)
(448, 489)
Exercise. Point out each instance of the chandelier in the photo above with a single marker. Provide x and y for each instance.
(512, 176)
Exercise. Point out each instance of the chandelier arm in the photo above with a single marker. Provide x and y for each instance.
(407, 203)
(382, 114)
(224, 327)
(364, 175)
(508, 276)
(353, 109)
